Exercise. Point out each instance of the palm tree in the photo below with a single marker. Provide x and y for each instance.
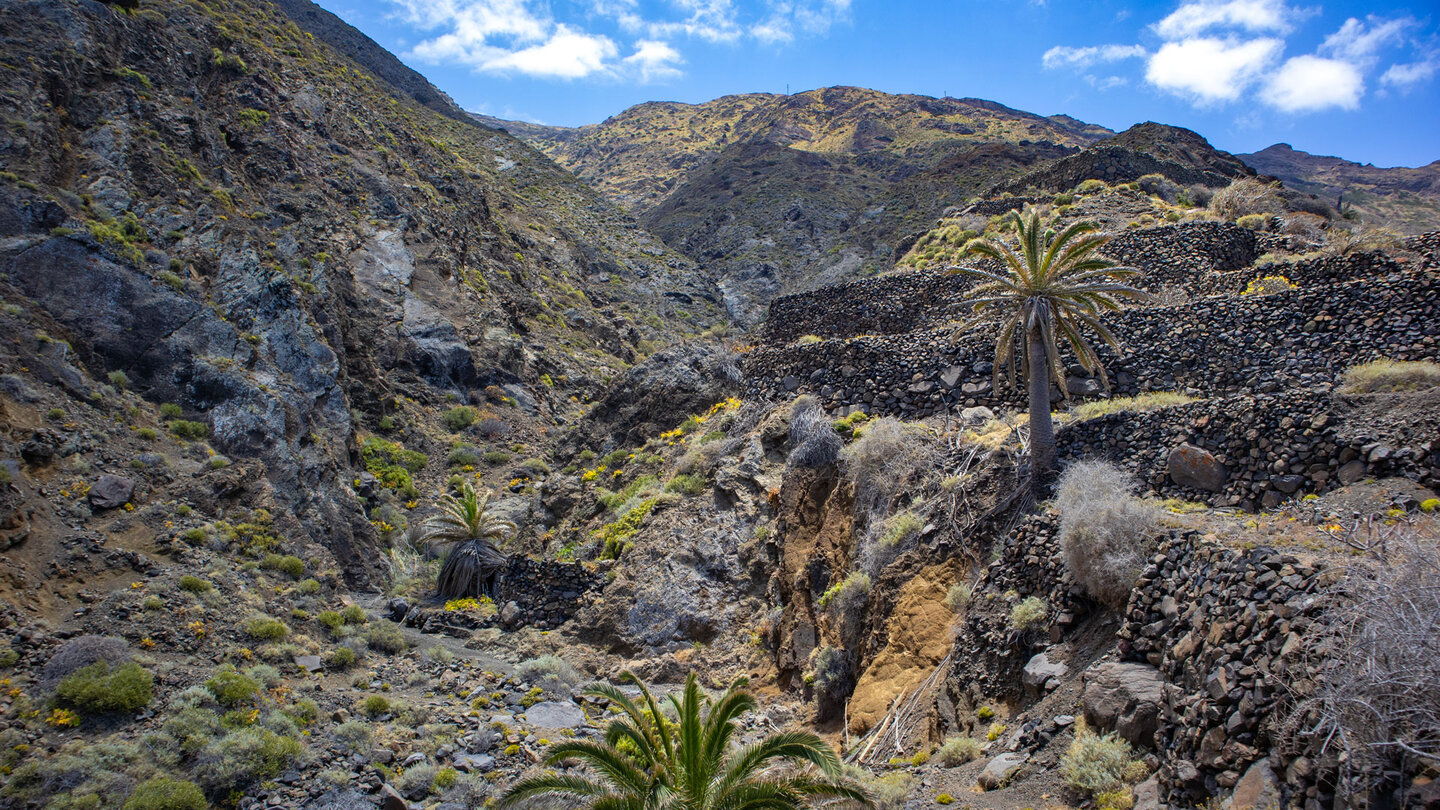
(474, 565)
(1052, 287)
(648, 761)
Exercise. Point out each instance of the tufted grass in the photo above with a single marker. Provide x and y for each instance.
(1139, 403)
(1385, 376)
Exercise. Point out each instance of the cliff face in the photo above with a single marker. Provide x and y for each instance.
(1405, 199)
(250, 225)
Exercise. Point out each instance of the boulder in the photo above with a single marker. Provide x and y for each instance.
(1197, 468)
(309, 663)
(390, 798)
(977, 415)
(484, 763)
(1124, 698)
(1000, 770)
(1256, 790)
(111, 491)
(1042, 675)
(555, 714)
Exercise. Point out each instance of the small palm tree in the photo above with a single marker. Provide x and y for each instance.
(1053, 287)
(474, 565)
(648, 761)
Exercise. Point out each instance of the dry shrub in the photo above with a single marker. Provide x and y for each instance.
(1358, 239)
(78, 653)
(1106, 532)
(1377, 695)
(1304, 224)
(888, 459)
(815, 442)
(1381, 376)
(1244, 197)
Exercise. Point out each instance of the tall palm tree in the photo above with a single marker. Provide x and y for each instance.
(647, 761)
(1051, 286)
(474, 565)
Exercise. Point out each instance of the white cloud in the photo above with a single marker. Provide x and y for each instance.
(1211, 70)
(1255, 16)
(1404, 76)
(812, 17)
(1358, 43)
(1065, 56)
(710, 20)
(1312, 83)
(1107, 83)
(567, 54)
(654, 61)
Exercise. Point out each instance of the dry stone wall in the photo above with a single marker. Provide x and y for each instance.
(891, 304)
(1225, 629)
(1213, 347)
(531, 593)
(1272, 447)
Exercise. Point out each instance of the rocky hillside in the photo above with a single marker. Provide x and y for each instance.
(252, 227)
(1406, 200)
(779, 193)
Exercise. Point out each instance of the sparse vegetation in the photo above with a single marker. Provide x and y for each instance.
(1152, 401)
(1385, 376)
(957, 751)
(161, 793)
(1095, 764)
(1029, 614)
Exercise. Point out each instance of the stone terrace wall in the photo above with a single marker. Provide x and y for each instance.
(1225, 630)
(891, 304)
(1214, 346)
(532, 593)
(1274, 447)
(1184, 255)
(545, 593)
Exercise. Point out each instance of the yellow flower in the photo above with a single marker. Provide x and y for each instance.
(147, 643)
(60, 718)
(135, 586)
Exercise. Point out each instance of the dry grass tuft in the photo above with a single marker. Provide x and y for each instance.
(1384, 376)
(1139, 403)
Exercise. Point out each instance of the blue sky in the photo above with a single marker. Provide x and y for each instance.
(1358, 80)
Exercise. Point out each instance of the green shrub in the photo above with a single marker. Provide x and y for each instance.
(285, 564)
(375, 705)
(308, 587)
(148, 434)
(119, 379)
(170, 410)
(186, 429)
(848, 596)
(385, 636)
(1095, 764)
(457, 419)
(266, 628)
(55, 414)
(195, 584)
(97, 689)
(535, 468)
(1090, 186)
(612, 501)
(1029, 614)
(957, 751)
(341, 658)
(331, 620)
(161, 793)
(686, 484)
(495, 457)
(958, 596)
(808, 340)
(194, 536)
(230, 687)
(353, 614)
(463, 455)
(8, 657)
(1253, 222)
(245, 756)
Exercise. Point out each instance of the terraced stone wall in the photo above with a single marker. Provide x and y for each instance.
(1183, 255)
(886, 305)
(1273, 446)
(1214, 347)
(1225, 629)
(544, 593)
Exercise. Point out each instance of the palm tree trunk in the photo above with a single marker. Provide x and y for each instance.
(1042, 429)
